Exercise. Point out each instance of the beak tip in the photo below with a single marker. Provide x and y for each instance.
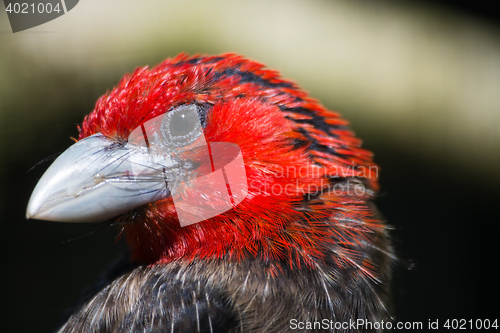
(33, 208)
(31, 213)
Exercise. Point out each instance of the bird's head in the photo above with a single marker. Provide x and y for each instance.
(211, 157)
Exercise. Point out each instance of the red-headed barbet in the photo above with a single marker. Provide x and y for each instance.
(246, 205)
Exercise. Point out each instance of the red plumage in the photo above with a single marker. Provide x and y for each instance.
(238, 117)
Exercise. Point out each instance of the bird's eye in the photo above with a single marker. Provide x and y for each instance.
(183, 122)
(181, 126)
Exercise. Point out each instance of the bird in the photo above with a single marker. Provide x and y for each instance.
(246, 204)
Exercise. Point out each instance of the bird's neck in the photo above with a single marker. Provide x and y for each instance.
(292, 232)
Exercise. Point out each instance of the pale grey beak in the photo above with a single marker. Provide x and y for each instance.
(97, 179)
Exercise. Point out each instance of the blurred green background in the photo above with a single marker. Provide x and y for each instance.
(420, 83)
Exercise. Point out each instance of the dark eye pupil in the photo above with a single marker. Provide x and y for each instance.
(182, 123)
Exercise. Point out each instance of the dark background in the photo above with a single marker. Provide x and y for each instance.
(440, 176)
